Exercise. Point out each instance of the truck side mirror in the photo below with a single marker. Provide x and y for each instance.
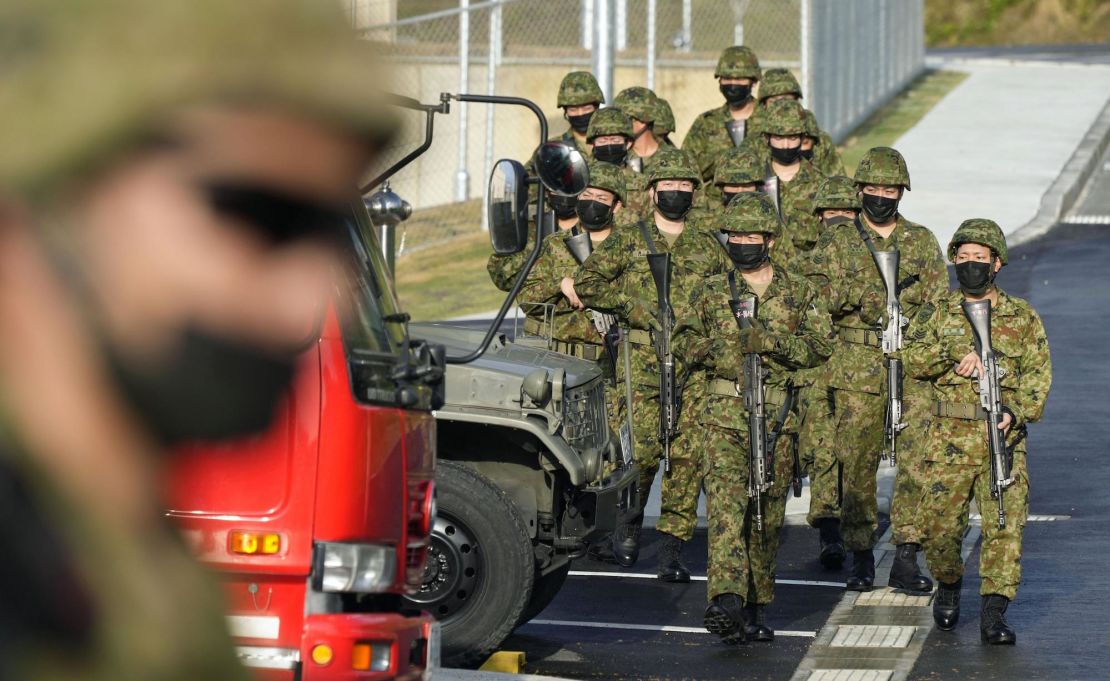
(508, 207)
(562, 168)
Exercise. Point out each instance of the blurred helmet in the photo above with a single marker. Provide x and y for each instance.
(784, 117)
(752, 212)
(883, 165)
(638, 102)
(837, 193)
(578, 89)
(671, 163)
(738, 61)
(608, 177)
(778, 82)
(979, 231)
(609, 121)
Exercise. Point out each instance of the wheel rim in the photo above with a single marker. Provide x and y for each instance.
(453, 569)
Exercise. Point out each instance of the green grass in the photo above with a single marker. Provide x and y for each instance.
(890, 122)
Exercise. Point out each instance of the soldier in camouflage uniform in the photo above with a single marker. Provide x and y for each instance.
(740, 170)
(842, 265)
(792, 181)
(504, 269)
(791, 332)
(836, 203)
(610, 137)
(737, 74)
(153, 292)
(616, 279)
(819, 148)
(575, 331)
(642, 106)
(579, 97)
(957, 465)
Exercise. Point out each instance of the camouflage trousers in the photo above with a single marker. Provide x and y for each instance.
(678, 515)
(741, 558)
(905, 507)
(948, 491)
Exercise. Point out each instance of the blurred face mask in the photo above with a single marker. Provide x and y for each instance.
(581, 122)
(594, 215)
(610, 153)
(735, 93)
(562, 205)
(975, 277)
(788, 156)
(748, 256)
(674, 203)
(836, 220)
(879, 208)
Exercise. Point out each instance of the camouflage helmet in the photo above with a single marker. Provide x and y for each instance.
(579, 88)
(738, 61)
(837, 193)
(883, 165)
(740, 165)
(784, 117)
(778, 82)
(638, 102)
(609, 121)
(671, 163)
(812, 130)
(979, 231)
(664, 118)
(608, 177)
(752, 212)
(88, 80)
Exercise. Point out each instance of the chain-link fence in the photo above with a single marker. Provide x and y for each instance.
(525, 47)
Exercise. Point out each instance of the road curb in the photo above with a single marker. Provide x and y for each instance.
(1064, 192)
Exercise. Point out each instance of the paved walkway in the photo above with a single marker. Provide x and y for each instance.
(999, 140)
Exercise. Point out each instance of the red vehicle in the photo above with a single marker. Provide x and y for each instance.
(320, 526)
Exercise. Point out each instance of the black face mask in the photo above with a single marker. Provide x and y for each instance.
(807, 154)
(788, 156)
(674, 203)
(562, 205)
(727, 197)
(748, 256)
(611, 153)
(736, 94)
(594, 215)
(975, 277)
(581, 122)
(834, 221)
(879, 208)
(211, 388)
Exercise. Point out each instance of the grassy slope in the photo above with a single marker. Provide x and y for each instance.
(951, 23)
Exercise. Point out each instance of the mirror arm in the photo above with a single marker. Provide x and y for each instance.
(510, 300)
(430, 111)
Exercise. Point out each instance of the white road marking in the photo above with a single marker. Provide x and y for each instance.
(695, 578)
(1033, 518)
(851, 675)
(872, 636)
(653, 627)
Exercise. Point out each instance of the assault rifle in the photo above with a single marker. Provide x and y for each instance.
(761, 468)
(978, 313)
(887, 262)
(660, 266)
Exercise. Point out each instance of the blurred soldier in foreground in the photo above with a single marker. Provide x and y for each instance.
(945, 349)
(728, 125)
(788, 332)
(170, 180)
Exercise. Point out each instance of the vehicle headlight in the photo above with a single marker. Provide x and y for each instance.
(353, 568)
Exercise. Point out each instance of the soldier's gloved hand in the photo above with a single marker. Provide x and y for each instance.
(872, 306)
(756, 339)
(641, 315)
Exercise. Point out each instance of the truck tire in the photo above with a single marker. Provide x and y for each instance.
(544, 590)
(480, 568)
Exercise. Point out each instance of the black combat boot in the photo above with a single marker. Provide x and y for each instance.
(904, 573)
(671, 568)
(946, 605)
(725, 617)
(832, 544)
(756, 628)
(863, 571)
(626, 542)
(602, 550)
(992, 621)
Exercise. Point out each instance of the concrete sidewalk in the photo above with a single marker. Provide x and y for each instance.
(999, 141)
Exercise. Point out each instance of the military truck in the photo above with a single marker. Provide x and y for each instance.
(523, 437)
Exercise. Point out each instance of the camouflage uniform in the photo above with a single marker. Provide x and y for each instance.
(708, 136)
(851, 287)
(803, 228)
(826, 157)
(616, 279)
(122, 598)
(957, 460)
(794, 334)
(612, 121)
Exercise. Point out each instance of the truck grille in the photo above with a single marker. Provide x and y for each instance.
(584, 421)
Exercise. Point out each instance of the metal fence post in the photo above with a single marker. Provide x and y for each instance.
(602, 61)
(462, 176)
(622, 25)
(491, 86)
(587, 16)
(805, 48)
(650, 45)
(687, 37)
